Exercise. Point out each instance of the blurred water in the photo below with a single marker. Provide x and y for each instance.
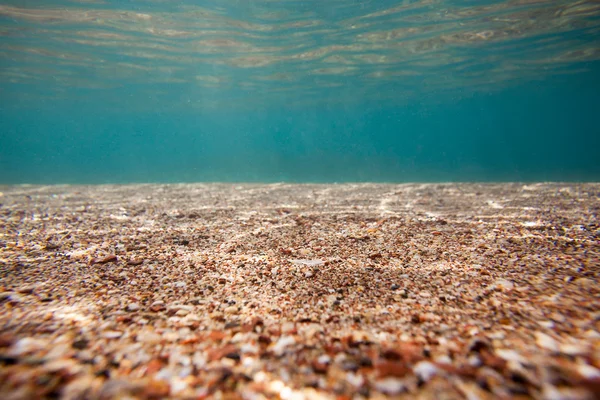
(321, 91)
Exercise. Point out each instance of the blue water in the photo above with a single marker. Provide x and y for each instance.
(299, 91)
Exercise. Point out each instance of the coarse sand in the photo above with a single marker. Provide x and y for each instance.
(350, 291)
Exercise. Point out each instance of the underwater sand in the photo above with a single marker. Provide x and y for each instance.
(300, 291)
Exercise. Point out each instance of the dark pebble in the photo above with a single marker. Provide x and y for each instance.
(8, 360)
(104, 373)
(264, 339)
(233, 355)
(365, 362)
(231, 325)
(80, 344)
(479, 344)
(350, 365)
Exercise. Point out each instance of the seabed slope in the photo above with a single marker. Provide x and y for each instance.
(300, 291)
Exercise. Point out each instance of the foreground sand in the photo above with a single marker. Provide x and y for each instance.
(300, 291)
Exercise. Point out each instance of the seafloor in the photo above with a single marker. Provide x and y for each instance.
(430, 291)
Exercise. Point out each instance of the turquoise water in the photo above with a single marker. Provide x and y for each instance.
(97, 91)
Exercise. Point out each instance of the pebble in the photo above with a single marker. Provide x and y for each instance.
(324, 359)
(546, 342)
(11, 297)
(288, 327)
(57, 351)
(355, 380)
(79, 388)
(550, 392)
(319, 367)
(572, 349)
(118, 388)
(231, 310)
(546, 324)
(390, 386)
(585, 282)
(308, 263)
(112, 334)
(27, 345)
(395, 286)
(158, 306)
(80, 344)
(425, 370)
(149, 337)
(178, 386)
(592, 334)
(282, 343)
(588, 372)
(108, 259)
(511, 355)
(503, 284)
(26, 289)
(249, 348)
(443, 359)
(474, 361)
(133, 307)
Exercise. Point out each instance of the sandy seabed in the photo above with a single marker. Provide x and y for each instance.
(444, 291)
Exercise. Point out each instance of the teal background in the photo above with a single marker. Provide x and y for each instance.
(531, 128)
